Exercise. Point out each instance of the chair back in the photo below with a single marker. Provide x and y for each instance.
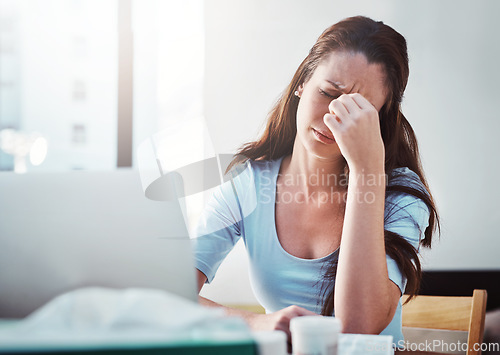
(454, 313)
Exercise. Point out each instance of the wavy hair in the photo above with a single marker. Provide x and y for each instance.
(380, 44)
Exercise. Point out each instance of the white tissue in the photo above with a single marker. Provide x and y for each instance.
(101, 316)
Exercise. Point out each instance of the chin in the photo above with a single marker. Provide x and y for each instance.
(323, 151)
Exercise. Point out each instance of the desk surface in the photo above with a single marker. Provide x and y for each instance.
(194, 347)
(417, 353)
(181, 348)
(187, 349)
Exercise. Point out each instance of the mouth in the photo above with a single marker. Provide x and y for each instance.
(323, 136)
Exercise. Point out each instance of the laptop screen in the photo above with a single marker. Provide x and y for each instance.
(63, 231)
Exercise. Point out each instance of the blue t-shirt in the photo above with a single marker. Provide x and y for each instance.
(244, 207)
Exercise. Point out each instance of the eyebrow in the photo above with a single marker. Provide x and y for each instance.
(337, 86)
(341, 88)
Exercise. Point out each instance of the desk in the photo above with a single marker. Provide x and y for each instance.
(187, 349)
(241, 347)
(417, 353)
(169, 349)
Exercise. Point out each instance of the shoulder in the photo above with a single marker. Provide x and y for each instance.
(246, 181)
(253, 171)
(265, 166)
(404, 177)
(404, 196)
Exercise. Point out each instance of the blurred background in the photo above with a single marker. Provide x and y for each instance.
(84, 82)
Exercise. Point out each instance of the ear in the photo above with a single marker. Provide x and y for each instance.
(300, 89)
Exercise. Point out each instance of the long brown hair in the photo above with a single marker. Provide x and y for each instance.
(381, 45)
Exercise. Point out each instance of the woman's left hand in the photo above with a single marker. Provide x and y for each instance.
(354, 123)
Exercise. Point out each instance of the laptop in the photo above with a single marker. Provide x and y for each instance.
(63, 231)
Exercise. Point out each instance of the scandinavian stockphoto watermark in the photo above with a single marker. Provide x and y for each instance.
(323, 188)
(435, 346)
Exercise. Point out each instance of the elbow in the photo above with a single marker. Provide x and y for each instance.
(368, 316)
(363, 327)
(367, 324)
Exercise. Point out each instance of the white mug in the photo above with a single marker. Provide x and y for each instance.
(315, 335)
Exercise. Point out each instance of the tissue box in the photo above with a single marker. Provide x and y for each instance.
(133, 321)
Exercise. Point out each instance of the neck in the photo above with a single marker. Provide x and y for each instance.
(313, 173)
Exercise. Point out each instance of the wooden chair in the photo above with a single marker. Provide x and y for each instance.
(448, 313)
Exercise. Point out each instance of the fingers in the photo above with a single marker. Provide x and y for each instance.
(286, 315)
(344, 105)
(348, 104)
(294, 311)
(279, 320)
(361, 101)
(332, 122)
(303, 312)
(338, 108)
(346, 108)
(355, 125)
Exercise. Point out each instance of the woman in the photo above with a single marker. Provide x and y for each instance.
(331, 201)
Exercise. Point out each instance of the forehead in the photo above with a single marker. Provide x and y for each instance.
(353, 74)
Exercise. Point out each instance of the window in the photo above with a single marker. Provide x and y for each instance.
(61, 75)
(55, 89)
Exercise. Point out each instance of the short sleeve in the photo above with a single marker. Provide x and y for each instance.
(222, 222)
(217, 231)
(408, 217)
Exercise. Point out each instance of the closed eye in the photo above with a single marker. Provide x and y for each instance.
(330, 96)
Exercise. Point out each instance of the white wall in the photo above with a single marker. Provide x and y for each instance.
(253, 48)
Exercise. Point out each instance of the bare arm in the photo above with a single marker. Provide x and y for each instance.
(365, 297)
(247, 315)
(274, 321)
